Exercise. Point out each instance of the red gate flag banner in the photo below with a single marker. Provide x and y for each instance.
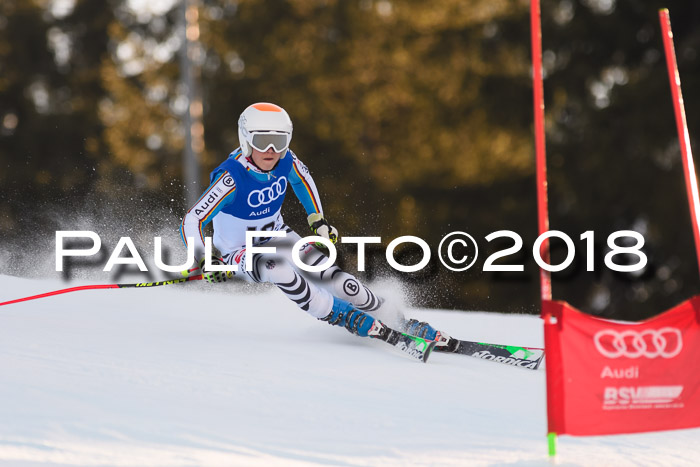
(610, 377)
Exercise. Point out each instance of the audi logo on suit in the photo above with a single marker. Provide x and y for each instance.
(268, 194)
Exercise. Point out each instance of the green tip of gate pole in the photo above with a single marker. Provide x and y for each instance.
(552, 444)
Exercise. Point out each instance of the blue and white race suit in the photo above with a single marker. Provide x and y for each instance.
(241, 197)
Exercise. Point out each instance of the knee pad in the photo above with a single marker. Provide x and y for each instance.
(269, 268)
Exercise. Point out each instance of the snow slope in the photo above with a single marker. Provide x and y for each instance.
(196, 374)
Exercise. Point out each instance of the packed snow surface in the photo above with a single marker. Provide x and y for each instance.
(199, 374)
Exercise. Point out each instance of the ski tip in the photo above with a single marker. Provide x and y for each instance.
(428, 351)
(415, 347)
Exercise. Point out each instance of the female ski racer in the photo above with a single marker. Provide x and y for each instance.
(246, 193)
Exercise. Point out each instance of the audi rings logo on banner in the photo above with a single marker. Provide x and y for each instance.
(650, 343)
(268, 194)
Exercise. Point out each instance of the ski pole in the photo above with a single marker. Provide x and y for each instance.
(105, 286)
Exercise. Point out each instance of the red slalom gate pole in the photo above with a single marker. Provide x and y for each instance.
(541, 169)
(540, 157)
(103, 286)
(691, 181)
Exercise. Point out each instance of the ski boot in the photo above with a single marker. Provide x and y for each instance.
(355, 321)
(443, 342)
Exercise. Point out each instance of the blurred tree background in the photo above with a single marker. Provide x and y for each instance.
(415, 118)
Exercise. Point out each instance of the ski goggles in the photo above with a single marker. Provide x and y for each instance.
(279, 142)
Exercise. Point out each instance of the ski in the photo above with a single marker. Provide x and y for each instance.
(415, 347)
(523, 357)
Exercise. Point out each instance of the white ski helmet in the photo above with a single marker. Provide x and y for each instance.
(264, 125)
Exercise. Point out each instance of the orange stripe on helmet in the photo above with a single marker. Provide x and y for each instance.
(265, 107)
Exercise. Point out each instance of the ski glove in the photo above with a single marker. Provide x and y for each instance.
(320, 226)
(215, 276)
